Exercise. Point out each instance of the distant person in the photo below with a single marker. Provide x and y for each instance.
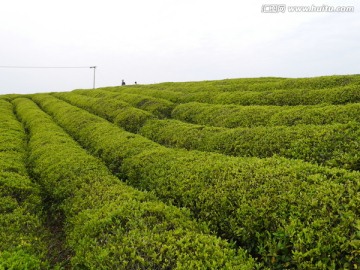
(123, 82)
(135, 82)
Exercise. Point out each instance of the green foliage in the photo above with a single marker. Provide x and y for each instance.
(341, 95)
(290, 214)
(157, 92)
(21, 232)
(287, 213)
(9, 97)
(257, 91)
(159, 107)
(232, 116)
(89, 130)
(108, 224)
(114, 110)
(174, 133)
(317, 115)
(323, 82)
(281, 97)
(331, 145)
(20, 260)
(244, 84)
(225, 116)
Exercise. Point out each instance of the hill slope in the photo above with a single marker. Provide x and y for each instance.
(231, 174)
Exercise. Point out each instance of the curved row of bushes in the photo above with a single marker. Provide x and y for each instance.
(160, 107)
(289, 214)
(275, 91)
(244, 84)
(22, 236)
(331, 145)
(269, 83)
(155, 91)
(232, 116)
(257, 91)
(109, 225)
(226, 85)
(9, 97)
(114, 110)
(225, 116)
(273, 83)
(338, 95)
(334, 145)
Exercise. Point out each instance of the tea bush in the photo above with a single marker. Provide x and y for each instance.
(289, 214)
(109, 225)
(22, 235)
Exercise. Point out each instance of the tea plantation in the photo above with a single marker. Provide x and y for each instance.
(259, 173)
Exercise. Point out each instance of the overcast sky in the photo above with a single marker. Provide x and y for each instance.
(167, 40)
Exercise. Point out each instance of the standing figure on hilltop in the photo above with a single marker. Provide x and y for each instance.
(123, 82)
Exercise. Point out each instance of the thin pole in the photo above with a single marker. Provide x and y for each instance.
(94, 67)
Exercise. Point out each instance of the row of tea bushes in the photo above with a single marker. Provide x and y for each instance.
(225, 116)
(156, 91)
(232, 116)
(159, 107)
(273, 83)
(289, 214)
(334, 145)
(22, 235)
(331, 145)
(109, 225)
(9, 97)
(323, 82)
(114, 110)
(338, 95)
(258, 91)
(169, 90)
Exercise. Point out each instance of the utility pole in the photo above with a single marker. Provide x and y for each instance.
(94, 67)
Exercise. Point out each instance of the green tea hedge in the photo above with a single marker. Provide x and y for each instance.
(289, 214)
(331, 145)
(114, 110)
(22, 235)
(225, 116)
(109, 225)
(160, 107)
(232, 116)
(275, 97)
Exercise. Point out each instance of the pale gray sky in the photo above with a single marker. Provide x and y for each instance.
(167, 40)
